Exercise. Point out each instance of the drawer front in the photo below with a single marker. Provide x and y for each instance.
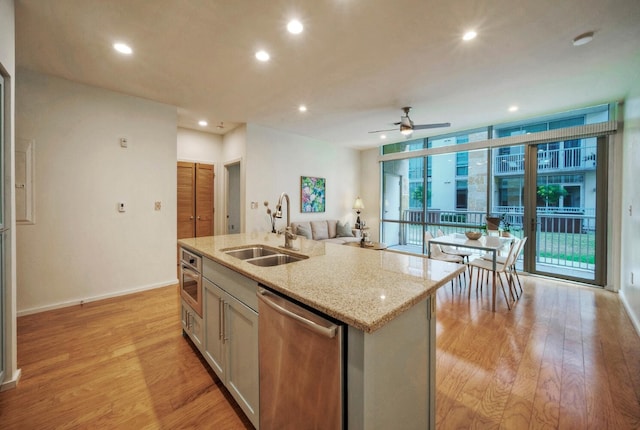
(241, 287)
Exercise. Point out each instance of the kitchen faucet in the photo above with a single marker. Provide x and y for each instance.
(288, 234)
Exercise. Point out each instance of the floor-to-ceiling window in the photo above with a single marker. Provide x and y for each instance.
(550, 190)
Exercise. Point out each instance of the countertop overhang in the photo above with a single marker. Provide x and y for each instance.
(361, 287)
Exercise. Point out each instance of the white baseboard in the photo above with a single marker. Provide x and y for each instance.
(75, 302)
(12, 383)
(630, 311)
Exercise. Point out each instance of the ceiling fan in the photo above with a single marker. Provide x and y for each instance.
(407, 126)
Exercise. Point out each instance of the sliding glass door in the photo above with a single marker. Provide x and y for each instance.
(566, 209)
(549, 192)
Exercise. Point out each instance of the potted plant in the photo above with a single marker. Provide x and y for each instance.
(493, 222)
(505, 225)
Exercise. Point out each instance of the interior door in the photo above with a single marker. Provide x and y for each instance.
(204, 200)
(233, 198)
(186, 200)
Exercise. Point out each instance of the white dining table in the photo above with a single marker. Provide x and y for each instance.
(491, 244)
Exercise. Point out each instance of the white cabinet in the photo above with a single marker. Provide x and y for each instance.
(213, 341)
(231, 334)
(241, 326)
(192, 324)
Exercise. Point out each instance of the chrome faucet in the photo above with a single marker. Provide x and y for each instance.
(288, 234)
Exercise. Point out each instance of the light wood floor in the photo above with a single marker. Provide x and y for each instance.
(565, 357)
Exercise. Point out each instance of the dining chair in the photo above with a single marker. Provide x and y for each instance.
(486, 266)
(454, 251)
(436, 253)
(512, 267)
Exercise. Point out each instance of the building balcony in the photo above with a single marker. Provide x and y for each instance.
(549, 161)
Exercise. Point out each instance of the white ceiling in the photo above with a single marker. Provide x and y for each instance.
(355, 65)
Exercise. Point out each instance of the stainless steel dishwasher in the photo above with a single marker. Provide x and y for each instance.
(301, 366)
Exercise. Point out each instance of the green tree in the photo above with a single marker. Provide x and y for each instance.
(550, 194)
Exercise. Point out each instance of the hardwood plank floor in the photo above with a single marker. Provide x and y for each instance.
(118, 363)
(565, 357)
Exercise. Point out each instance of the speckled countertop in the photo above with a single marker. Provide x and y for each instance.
(361, 287)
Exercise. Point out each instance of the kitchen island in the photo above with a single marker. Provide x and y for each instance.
(387, 301)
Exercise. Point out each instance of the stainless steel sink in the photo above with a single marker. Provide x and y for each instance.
(263, 256)
(274, 260)
(251, 252)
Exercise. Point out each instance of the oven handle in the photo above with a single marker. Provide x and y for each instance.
(190, 273)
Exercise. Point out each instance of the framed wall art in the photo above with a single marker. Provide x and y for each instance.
(312, 194)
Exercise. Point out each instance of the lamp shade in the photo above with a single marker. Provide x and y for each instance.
(358, 205)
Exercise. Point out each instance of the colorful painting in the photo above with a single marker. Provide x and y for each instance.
(312, 194)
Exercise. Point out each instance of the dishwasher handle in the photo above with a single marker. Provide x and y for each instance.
(268, 299)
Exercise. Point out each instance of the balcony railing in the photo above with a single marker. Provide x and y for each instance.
(564, 239)
(553, 160)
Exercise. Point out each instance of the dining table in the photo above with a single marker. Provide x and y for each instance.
(488, 243)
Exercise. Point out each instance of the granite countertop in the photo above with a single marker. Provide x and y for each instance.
(363, 288)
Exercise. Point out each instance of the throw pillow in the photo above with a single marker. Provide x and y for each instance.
(303, 231)
(320, 230)
(344, 230)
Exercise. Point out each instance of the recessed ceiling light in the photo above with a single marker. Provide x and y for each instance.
(122, 48)
(513, 108)
(263, 55)
(469, 35)
(295, 27)
(302, 108)
(203, 123)
(583, 39)
(383, 136)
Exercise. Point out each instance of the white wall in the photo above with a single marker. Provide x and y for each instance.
(630, 237)
(7, 68)
(371, 190)
(81, 247)
(275, 161)
(198, 147)
(234, 150)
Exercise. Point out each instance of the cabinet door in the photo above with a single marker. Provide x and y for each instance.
(192, 325)
(213, 341)
(186, 200)
(204, 199)
(242, 356)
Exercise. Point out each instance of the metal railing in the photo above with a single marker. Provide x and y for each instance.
(563, 240)
(583, 158)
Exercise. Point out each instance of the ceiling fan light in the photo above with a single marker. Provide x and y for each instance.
(406, 130)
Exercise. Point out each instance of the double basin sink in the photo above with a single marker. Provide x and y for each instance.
(264, 256)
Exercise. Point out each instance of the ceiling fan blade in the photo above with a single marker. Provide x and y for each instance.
(380, 131)
(426, 126)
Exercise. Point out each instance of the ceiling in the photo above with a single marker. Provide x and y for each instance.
(355, 65)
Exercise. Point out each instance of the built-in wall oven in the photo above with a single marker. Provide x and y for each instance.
(191, 279)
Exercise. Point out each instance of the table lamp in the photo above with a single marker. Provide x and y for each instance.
(358, 206)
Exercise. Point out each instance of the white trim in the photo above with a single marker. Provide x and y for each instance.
(630, 312)
(12, 383)
(95, 298)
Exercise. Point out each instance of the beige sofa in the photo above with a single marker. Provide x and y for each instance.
(325, 230)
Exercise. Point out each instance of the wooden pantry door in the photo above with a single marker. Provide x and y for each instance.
(204, 199)
(195, 199)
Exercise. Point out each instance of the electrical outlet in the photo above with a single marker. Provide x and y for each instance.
(158, 205)
(124, 142)
(122, 207)
(254, 205)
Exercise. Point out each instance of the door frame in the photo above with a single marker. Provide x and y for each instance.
(227, 203)
(530, 221)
